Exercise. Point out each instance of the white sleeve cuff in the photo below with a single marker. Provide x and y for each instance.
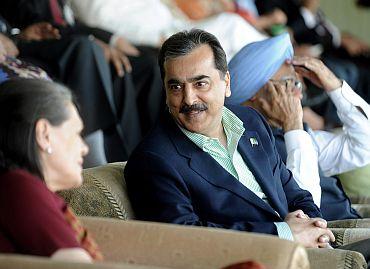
(345, 99)
(284, 231)
(296, 139)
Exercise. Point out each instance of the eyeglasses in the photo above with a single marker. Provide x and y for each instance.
(288, 80)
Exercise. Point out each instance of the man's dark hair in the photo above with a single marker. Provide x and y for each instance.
(182, 43)
(22, 103)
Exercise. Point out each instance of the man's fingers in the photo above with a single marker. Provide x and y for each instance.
(49, 32)
(264, 105)
(303, 72)
(298, 213)
(331, 235)
(117, 64)
(321, 223)
(126, 63)
(132, 51)
(272, 90)
(327, 237)
(324, 245)
(324, 239)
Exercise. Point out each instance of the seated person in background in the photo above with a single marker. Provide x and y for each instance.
(315, 34)
(125, 17)
(203, 9)
(263, 76)
(41, 152)
(120, 93)
(208, 165)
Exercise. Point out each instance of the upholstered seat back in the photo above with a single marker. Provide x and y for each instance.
(103, 193)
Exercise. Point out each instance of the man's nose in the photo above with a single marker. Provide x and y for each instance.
(190, 95)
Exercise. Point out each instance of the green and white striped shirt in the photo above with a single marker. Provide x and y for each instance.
(231, 160)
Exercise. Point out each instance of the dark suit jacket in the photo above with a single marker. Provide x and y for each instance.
(170, 179)
(335, 205)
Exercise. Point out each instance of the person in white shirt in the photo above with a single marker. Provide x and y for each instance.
(149, 22)
(264, 76)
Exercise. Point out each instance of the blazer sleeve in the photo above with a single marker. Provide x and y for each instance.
(159, 193)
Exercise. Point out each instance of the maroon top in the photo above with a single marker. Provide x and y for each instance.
(32, 217)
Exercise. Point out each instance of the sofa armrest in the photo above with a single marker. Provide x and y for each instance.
(13, 261)
(349, 223)
(335, 259)
(344, 236)
(176, 246)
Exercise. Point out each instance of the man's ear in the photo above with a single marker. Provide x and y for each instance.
(42, 134)
(227, 81)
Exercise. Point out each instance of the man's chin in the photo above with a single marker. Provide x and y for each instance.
(193, 121)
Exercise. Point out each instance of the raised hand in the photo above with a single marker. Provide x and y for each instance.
(316, 71)
(281, 104)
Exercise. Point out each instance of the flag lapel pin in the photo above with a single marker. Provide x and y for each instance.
(253, 141)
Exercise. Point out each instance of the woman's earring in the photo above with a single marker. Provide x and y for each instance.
(49, 150)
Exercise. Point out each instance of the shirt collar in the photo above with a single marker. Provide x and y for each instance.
(233, 128)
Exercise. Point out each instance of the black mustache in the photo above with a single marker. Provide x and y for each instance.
(193, 108)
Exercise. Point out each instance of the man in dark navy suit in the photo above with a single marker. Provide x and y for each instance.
(208, 165)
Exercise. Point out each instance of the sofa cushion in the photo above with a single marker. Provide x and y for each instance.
(356, 182)
(102, 194)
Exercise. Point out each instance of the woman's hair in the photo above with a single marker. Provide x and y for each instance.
(22, 103)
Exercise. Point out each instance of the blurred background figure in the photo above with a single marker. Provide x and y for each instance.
(164, 18)
(118, 86)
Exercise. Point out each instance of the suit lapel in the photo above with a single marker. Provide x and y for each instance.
(209, 169)
(257, 161)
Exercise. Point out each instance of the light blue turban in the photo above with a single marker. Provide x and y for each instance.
(255, 64)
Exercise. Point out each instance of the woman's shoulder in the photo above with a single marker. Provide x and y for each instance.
(23, 187)
(20, 179)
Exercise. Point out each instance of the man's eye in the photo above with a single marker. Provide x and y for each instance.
(201, 84)
(175, 87)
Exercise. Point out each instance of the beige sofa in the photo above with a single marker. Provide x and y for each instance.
(103, 205)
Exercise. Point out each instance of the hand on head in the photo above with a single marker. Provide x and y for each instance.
(312, 233)
(39, 31)
(316, 71)
(281, 104)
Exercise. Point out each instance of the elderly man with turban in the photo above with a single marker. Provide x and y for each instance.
(264, 76)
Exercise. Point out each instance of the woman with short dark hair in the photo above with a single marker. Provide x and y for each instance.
(41, 152)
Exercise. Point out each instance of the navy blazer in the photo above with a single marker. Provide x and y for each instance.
(170, 179)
